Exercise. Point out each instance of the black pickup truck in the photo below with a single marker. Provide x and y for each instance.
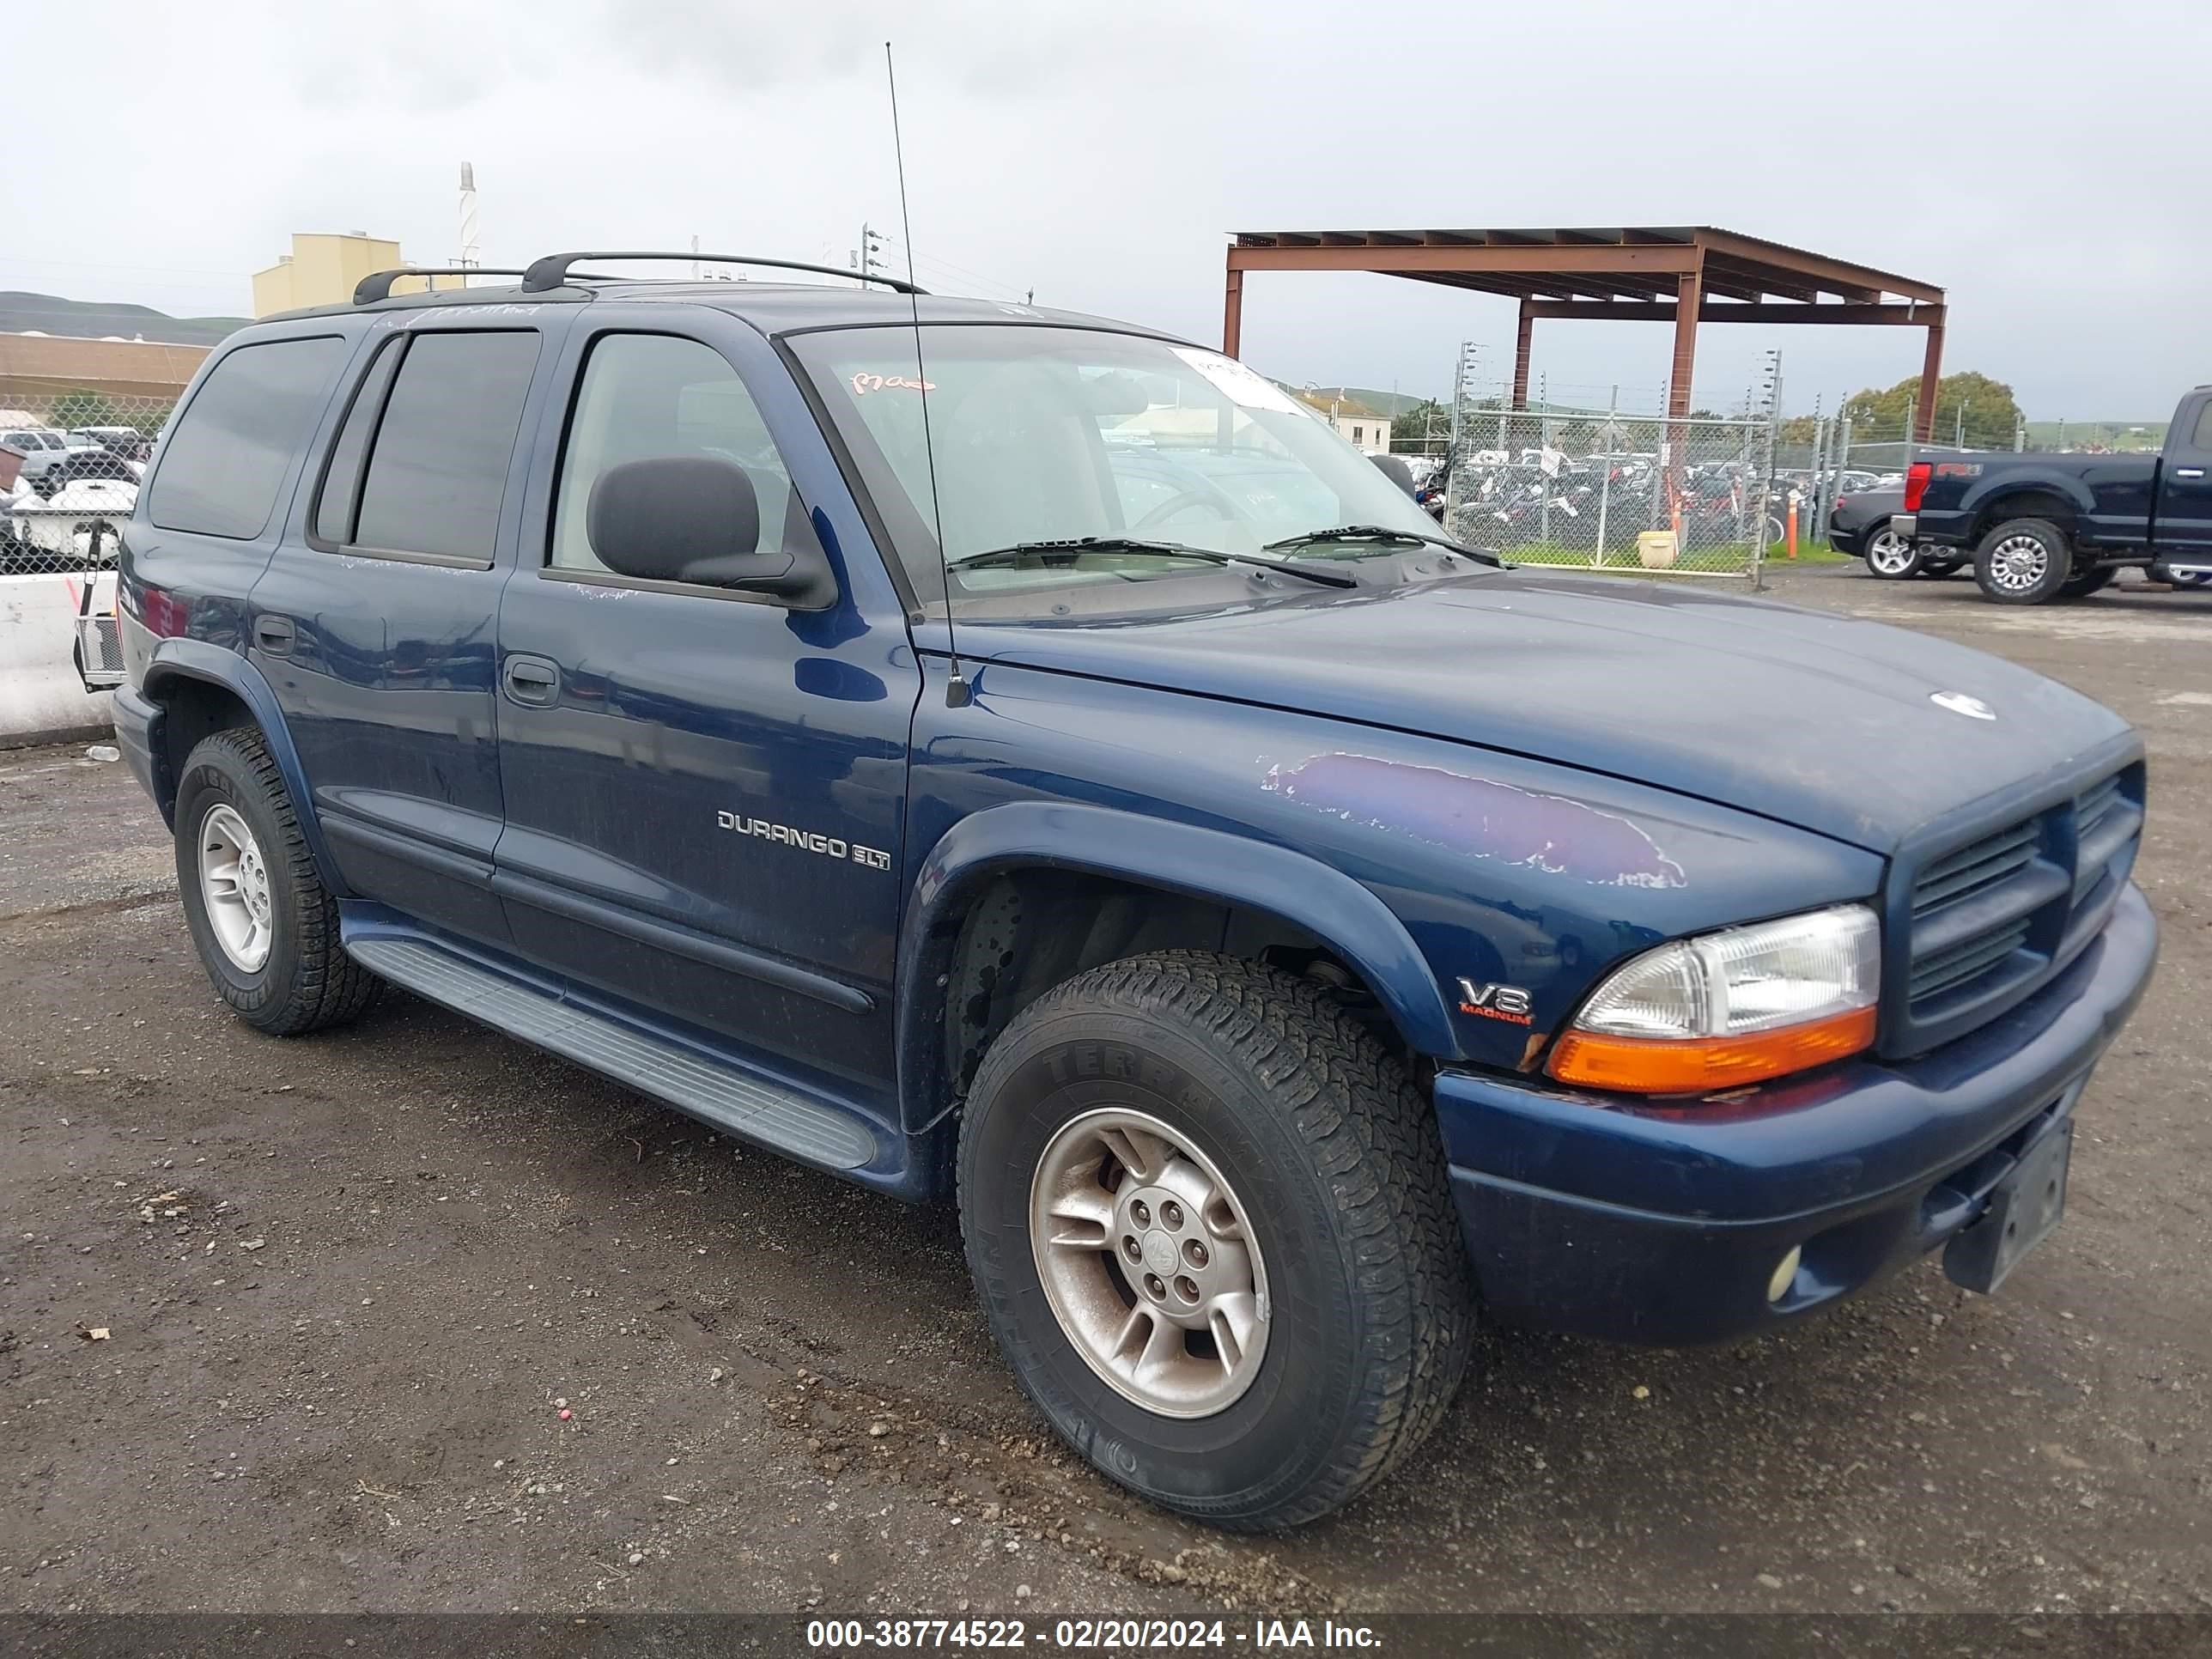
(2042, 527)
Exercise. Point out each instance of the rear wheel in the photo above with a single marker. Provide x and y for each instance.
(265, 927)
(1209, 1221)
(1890, 555)
(2083, 583)
(2024, 561)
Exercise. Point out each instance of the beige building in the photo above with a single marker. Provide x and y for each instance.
(321, 270)
(1363, 429)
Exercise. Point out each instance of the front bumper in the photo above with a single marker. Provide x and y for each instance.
(1653, 1224)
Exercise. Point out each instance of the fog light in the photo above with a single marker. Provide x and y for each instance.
(1785, 1273)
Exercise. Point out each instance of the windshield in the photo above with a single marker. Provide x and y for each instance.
(1051, 434)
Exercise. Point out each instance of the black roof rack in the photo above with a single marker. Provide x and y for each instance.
(377, 285)
(552, 271)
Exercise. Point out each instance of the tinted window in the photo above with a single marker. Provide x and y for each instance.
(2203, 437)
(437, 471)
(229, 453)
(645, 396)
(342, 478)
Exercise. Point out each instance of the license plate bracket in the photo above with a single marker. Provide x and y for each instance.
(2023, 1210)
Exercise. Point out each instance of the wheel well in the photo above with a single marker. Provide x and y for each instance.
(193, 710)
(2025, 504)
(1028, 930)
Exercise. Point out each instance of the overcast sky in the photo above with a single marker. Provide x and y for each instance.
(2044, 171)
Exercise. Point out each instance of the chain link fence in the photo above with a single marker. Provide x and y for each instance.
(1596, 489)
(69, 467)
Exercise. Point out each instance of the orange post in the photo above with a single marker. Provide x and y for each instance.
(1792, 525)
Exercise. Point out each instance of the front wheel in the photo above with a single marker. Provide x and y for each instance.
(2024, 561)
(1209, 1221)
(1891, 557)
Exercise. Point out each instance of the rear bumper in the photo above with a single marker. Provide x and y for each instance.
(1906, 525)
(136, 717)
(1665, 1225)
(1851, 540)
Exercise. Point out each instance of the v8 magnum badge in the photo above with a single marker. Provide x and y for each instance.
(1507, 1002)
(806, 840)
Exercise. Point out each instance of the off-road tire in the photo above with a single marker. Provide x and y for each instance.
(1996, 576)
(308, 983)
(1334, 1154)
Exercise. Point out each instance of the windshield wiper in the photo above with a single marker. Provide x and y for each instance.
(1377, 532)
(1074, 547)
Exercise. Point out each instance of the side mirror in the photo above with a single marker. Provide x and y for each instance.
(696, 518)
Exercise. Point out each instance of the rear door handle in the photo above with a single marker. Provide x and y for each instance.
(2189, 472)
(532, 681)
(273, 634)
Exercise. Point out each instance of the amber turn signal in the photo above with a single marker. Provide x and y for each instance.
(1696, 1065)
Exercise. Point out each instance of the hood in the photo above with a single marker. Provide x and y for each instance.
(1816, 720)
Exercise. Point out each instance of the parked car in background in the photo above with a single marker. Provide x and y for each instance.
(77, 527)
(2042, 527)
(127, 443)
(1863, 525)
(76, 466)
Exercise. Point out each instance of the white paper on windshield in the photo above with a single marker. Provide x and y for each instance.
(1241, 386)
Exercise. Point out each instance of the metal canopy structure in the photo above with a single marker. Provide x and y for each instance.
(1681, 275)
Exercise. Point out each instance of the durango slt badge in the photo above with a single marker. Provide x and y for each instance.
(806, 840)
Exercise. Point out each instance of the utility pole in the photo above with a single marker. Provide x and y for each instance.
(871, 247)
(1958, 430)
(469, 259)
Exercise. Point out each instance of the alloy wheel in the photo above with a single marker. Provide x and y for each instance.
(2017, 563)
(1150, 1263)
(1889, 553)
(235, 888)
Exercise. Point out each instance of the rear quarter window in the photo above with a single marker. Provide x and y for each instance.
(227, 453)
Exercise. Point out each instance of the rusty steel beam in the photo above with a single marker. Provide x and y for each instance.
(1931, 372)
(1521, 340)
(1834, 274)
(1688, 297)
(1517, 261)
(1232, 312)
(1713, 311)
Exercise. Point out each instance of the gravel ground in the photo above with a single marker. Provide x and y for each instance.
(411, 1316)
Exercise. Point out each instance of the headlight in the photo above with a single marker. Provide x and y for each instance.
(1730, 1008)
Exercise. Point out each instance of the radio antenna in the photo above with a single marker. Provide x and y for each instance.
(957, 692)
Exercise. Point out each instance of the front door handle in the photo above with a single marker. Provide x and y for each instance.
(273, 634)
(532, 681)
(2189, 472)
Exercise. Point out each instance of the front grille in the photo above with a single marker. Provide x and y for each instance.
(2093, 804)
(1990, 921)
(1962, 963)
(1974, 869)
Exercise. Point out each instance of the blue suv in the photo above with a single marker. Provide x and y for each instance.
(997, 754)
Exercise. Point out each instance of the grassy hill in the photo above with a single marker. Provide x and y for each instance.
(2111, 434)
(49, 314)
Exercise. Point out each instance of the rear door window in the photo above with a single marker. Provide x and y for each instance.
(229, 453)
(437, 467)
(2202, 441)
(341, 491)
